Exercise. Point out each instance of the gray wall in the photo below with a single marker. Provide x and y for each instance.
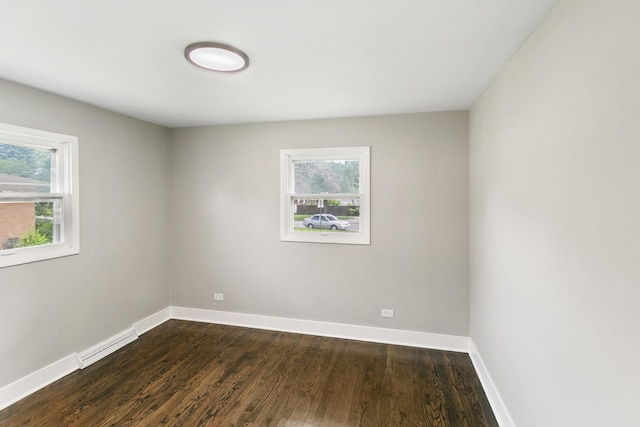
(225, 224)
(555, 229)
(53, 308)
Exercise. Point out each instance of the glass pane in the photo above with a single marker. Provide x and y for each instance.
(25, 169)
(330, 176)
(338, 216)
(31, 223)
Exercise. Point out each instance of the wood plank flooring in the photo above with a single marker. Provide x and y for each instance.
(196, 374)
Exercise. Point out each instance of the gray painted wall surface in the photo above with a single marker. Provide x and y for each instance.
(225, 223)
(53, 308)
(555, 229)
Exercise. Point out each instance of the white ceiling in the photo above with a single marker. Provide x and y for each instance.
(309, 59)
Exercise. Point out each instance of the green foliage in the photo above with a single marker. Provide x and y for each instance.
(25, 162)
(13, 167)
(355, 211)
(33, 238)
(44, 227)
(332, 176)
(333, 203)
(44, 209)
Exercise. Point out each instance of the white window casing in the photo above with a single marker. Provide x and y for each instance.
(289, 232)
(63, 194)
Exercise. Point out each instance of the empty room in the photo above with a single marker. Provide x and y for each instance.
(336, 213)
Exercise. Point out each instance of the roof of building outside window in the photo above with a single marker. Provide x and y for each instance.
(13, 183)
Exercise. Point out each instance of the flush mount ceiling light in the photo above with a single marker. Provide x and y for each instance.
(216, 57)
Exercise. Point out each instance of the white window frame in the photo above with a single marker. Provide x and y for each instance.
(287, 195)
(64, 188)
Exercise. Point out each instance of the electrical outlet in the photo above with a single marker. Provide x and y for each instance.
(218, 297)
(387, 312)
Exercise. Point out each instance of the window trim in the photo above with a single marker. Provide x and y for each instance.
(66, 185)
(287, 232)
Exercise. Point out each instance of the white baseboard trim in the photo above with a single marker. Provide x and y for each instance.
(33, 382)
(495, 400)
(326, 329)
(150, 322)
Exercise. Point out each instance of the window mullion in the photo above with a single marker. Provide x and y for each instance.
(331, 196)
(30, 196)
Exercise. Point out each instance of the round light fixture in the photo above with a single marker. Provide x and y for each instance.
(216, 57)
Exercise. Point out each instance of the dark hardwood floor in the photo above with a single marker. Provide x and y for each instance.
(196, 374)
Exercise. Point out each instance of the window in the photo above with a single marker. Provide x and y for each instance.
(325, 195)
(38, 195)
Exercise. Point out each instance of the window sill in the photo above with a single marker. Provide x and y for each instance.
(328, 237)
(9, 258)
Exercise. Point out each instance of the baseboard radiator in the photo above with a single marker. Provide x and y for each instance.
(107, 347)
